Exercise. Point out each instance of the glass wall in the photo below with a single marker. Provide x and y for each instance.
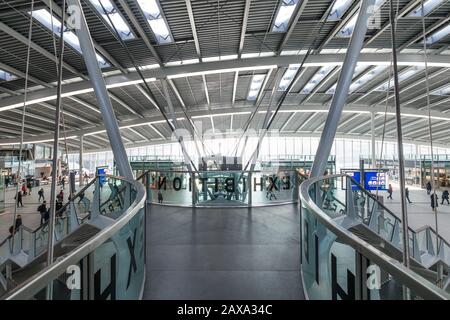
(348, 152)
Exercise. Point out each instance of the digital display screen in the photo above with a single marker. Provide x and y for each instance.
(375, 180)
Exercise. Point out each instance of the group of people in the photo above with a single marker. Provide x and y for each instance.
(27, 191)
(44, 211)
(433, 196)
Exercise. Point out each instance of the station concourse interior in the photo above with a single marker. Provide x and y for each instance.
(224, 150)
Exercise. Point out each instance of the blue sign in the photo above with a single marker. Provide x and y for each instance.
(102, 171)
(375, 180)
(357, 176)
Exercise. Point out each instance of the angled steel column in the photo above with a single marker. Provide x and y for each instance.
(101, 93)
(401, 158)
(343, 85)
(52, 216)
(80, 173)
(187, 158)
(372, 133)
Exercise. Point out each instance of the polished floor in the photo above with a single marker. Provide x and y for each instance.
(223, 253)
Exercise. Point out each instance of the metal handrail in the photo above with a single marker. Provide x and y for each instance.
(406, 276)
(427, 227)
(67, 203)
(361, 188)
(29, 288)
(373, 197)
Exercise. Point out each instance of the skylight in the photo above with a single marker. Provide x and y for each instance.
(401, 77)
(347, 30)
(116, 18)
(339, 8)
(366, 78)
(284, 15)
(438, 35)
(316, 79)
(6, 76)
(255, 86)
(155, 19)
(288, 77)
(428, 6)
(44, 17)
(358, 70)
(442, 91)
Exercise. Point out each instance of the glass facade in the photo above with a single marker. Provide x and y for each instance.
(348, 152)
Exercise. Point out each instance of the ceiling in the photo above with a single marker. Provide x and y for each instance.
(217, 48)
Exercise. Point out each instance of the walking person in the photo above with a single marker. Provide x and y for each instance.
(42, 209)
(434, 201)
(407, 195)
(41, 194)
(429, 187)
(18, 197)
(24, 189)
(445, 196)
(63, 182)
(60, 196)
(390, 191)
(29, 186)
(16, 226)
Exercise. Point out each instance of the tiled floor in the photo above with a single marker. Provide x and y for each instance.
(223, 254)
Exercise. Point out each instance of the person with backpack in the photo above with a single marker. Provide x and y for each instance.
(29, 186)
(41, 194)
(60, 196)
(434, 201)
(17, 224)
(445, 196)
(390, 191)
(42, 209)
(429, 187)
(407, 195)
(58, 208)
(18, 197)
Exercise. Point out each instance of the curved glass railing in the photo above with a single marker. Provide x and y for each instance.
(222, 188)
(33, 242)
(99, 251)
(351, 246)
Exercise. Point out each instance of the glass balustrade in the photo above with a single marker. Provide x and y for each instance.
(222, 188)
(99, 235)
(343, 255)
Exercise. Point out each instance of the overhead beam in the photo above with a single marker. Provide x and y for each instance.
(414, 84)
(236, 78)
(193, 28)
(244, 26)
(204, 68)
(140, 30)
(205, 87)
(409, 6)
(34, 46)
(292, 25)
(379, 110)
